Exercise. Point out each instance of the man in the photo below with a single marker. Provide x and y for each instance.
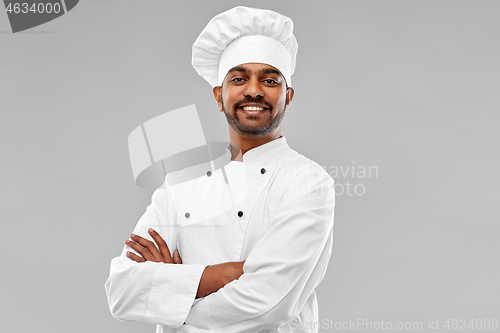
(251, 238)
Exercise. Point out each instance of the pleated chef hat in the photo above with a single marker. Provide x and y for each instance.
(245, 35)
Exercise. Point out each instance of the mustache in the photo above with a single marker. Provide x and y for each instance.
(249, 99)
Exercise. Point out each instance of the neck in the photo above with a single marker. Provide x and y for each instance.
(245, 143)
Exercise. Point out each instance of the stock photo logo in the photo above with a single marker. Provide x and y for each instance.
(25, 15)
(172, 150)
(170, 142)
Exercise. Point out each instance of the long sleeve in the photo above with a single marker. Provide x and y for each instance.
(155, 293)
(284, 267)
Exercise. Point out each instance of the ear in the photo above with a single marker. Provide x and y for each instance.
(218, 97)
(289, 95)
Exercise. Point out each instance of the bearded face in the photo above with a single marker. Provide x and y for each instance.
(254, 98)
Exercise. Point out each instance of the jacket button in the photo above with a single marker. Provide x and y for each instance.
(240, 213)
(262, 171)
(187, 215)
(209, 173)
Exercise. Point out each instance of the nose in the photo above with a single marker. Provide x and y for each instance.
(253, 88)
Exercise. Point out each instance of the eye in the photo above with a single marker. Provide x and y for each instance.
(237, 79)
(271, 81)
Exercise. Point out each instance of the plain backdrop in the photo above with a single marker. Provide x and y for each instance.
(408, 88)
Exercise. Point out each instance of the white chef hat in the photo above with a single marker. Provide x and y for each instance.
(245, 35)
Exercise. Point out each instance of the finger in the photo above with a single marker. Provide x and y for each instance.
(143, 251)
(162, 245)
(135, 257)
(177, 257)
(149, 245)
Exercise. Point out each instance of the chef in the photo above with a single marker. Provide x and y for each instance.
(242, 244)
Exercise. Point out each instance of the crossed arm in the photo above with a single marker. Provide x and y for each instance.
(213, 278)
(279, 276)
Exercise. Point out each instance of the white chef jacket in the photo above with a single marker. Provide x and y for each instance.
(274, 210)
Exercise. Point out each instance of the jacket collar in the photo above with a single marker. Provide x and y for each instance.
(266, 152)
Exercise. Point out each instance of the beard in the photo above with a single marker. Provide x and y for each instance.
(256, 129)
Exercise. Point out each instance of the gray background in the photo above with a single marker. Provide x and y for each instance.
(410, 87)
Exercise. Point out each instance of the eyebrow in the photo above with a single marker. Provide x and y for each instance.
(237, 69)
(271, 71)
(264, 71)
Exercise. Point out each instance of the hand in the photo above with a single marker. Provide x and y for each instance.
(149, 251)
(217, 276)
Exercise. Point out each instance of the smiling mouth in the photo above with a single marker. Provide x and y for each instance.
(253, 108)
(253, 111)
